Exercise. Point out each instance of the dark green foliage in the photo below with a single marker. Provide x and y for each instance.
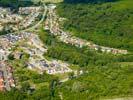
(15, 3)
(40, 78)
(71, 75)
(14, 94)
(5, 30)
(27, 92)
(100, 23)
(30, 84)
(99, 82)
(87, 1)
(25, 86)
(52, 87)
(74, 55)
(104, 76)
(11, 57)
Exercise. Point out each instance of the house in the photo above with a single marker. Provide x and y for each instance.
(1, 81)
(18, 55)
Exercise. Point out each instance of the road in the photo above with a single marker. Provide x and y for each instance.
(35, 26)
(66, 37)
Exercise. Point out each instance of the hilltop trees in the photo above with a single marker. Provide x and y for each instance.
(100, 23)
(87, 1)
(15, 3)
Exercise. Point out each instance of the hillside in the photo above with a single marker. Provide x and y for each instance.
(52, 1)
(108, 24)
(15, 3)
(70, 50)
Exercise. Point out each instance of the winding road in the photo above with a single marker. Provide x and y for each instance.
(42, 19)
(36, 25)
(53, 24)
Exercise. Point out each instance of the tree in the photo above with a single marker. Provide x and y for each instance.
(25, 87)
(87, 1)
(11, 57)
(53, 84)
(71, 75)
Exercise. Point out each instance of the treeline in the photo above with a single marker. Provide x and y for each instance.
(30, 85)
(78, 56)
(100, 23)
(87, 1)
(99, 83)
(28, 93)
(104, 74)
(73, 55)
(3, 32)
(15, 3)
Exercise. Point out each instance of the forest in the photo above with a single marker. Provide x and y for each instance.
(88, 1)
(80, 56)
(105, 75)
(111, 81)
(15, 3)
(107, 24)
(43, 88)
(104, 22)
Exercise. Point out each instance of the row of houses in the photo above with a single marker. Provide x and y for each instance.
(8, 41)
(6, 16)
(50, 67)
(52, 24)
(82, 43)
(6, 76)
(36, 50)
(32, 13)
(29, 10)
(9, 20)
(4, 54)
(6, 72)
(24, 18)
(13, 38)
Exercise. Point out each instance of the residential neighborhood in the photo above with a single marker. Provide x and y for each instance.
(66, 49)
(6, 76)
(17, 24)
(52, 24)
(36, 48)
(26, 17)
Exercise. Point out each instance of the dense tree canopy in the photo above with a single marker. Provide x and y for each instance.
(104, 24)
(100, 82)
(79, 56)
(15, 3)
(87, 1)
(104, 75)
